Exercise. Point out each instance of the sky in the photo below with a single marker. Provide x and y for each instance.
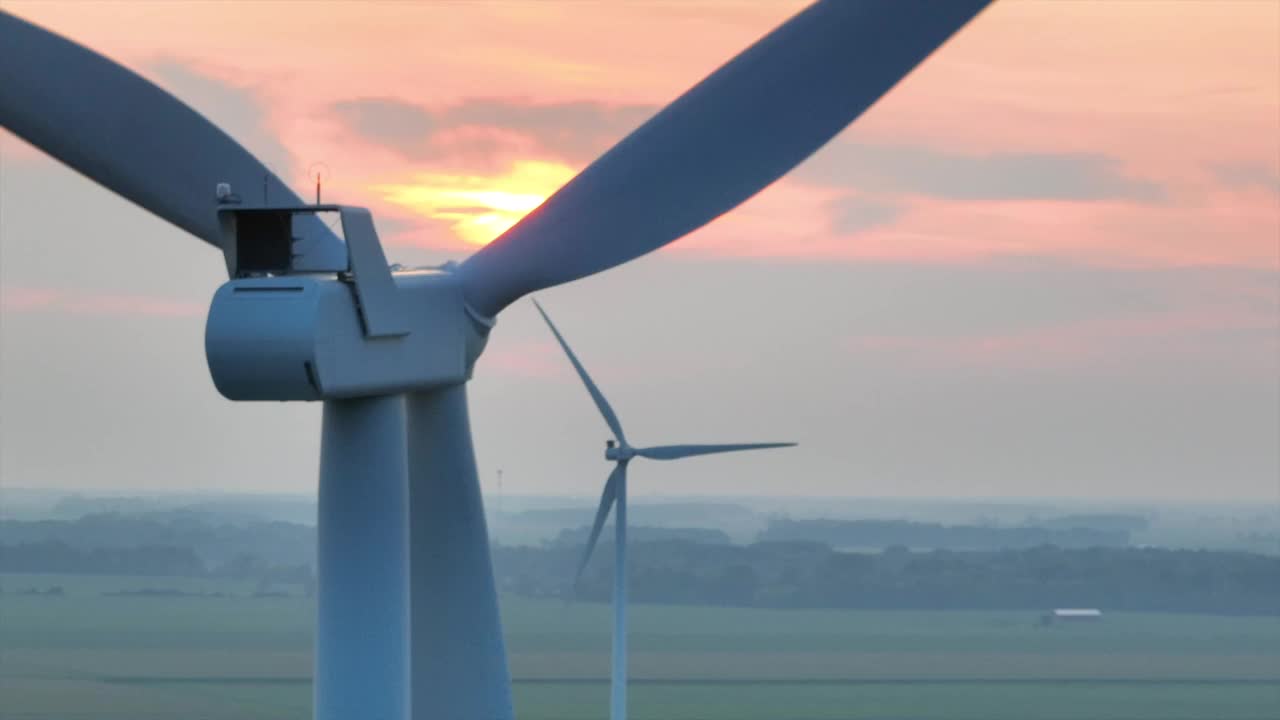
(1047, 264)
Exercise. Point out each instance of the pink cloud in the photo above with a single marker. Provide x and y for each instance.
(1226, 227)
(1169, 91)
(526, 360)
(31, 300)
(544, 360)
(27, 299)
(1154, 341)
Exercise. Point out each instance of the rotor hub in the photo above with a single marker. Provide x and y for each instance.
(618, 451)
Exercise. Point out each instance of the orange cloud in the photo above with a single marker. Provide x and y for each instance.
(479, 208)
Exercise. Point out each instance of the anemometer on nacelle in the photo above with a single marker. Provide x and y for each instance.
(293, 326)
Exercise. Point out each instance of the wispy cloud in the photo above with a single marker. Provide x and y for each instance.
(573, 132)
(51, 300)
(989, 176)
(1251, 175)
(853, 214)
(528, 359)
(1158, 341)
(400, 126)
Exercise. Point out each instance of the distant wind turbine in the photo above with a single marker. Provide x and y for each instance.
(615, 494)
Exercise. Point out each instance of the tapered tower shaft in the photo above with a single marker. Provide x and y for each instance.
(618, 679)
(459, 664)
(362, 618)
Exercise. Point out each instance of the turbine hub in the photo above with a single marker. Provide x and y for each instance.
(618, 452)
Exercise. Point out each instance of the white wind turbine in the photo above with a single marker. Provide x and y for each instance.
(407, 620)
(615, 496)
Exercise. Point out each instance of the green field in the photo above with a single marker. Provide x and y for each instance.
(86, 655)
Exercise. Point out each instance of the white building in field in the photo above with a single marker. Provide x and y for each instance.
(1070, 615)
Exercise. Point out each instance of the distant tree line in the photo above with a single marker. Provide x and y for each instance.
(812, 575)
(680, 566)
(577, 537)
(52, 556)
(214, 539)
(1101, 521)
(55, 556)
(878, 534)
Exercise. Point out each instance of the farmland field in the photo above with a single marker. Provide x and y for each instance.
(89, 654)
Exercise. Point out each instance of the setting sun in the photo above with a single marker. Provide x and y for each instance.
(480, 208)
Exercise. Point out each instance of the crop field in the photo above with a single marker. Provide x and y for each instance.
(90, 654)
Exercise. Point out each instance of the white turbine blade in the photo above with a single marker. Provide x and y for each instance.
(602, 513)
(605, 409)
(727, 138)
(128, 135)
(675, 452)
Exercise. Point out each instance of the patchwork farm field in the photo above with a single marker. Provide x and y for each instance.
(89, 654)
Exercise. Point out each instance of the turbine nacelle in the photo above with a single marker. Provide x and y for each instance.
(618, 452)
(279, 332)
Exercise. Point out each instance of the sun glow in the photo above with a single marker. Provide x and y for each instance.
(480, 208)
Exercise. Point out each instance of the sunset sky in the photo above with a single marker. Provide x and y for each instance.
(1047, 264)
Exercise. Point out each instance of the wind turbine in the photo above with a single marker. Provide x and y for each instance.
(407, 617)
(615, 496)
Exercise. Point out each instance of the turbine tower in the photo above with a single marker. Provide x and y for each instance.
(407, 613)
(615, 497)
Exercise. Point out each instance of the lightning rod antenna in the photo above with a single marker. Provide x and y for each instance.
(319, 171)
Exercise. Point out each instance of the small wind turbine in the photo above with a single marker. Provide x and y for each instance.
(615, 495)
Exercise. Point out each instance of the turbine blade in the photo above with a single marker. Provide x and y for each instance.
(128, 135)
(606, 410)
(724, 140)
(675, 452)
(602, 513)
